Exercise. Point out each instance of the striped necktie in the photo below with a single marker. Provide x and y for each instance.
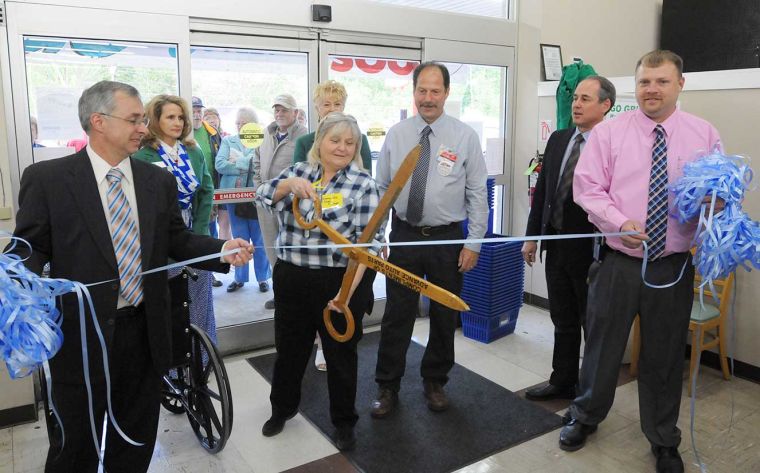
(657, 209)
(565, 187)
(419, 181)
(126, 239)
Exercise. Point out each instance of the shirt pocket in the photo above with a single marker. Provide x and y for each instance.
(339, 215)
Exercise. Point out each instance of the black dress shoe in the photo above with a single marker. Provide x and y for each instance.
(263, 286)
(384, 404)
(215, 282)
(549, 392)
(274, 425)
(344, 438)
(668, 459)
(234, 286)
(573, 435)
(436, 396)
(269, 305)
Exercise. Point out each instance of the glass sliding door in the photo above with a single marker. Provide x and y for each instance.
(481, 95)
(59, 69)
(55, 52)
(378, 80)
(230, 73)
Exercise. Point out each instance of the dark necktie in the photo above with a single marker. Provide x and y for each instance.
(657, 209)
(419, 181)
(126, 239)
(565, 187)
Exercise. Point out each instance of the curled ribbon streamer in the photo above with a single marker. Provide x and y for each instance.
(726, 239)
(30, 323)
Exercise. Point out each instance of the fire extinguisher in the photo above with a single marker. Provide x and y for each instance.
(534, 168)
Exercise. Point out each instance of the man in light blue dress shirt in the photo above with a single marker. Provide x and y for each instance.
(447, 187)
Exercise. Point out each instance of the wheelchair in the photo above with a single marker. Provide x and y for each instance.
(197, 383)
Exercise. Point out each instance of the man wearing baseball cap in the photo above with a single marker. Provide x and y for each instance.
(274, 155)
(208, 139)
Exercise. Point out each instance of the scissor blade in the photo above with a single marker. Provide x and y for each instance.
(410, 280)
(394, 188)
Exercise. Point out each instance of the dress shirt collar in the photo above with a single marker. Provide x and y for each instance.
(577, 132)
(174, 149)
(101, 167)
(349, 173)
(435, 127)
(647, 125)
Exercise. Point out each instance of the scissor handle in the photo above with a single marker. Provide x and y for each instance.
(350, 325)
(302, 221)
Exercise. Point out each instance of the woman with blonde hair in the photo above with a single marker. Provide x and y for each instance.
(169, 144)
(307, 278)
(330, 96)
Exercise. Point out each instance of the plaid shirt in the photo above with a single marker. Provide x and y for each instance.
(360, 198)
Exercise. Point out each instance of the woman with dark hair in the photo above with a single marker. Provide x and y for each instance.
(169, 144)
(307, 276)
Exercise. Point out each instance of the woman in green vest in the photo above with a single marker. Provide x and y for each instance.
(169, 144)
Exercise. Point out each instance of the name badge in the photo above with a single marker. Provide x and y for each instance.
(330, 201)
(446, 160)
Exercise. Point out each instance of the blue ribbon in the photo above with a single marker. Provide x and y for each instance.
(726, 239)
(30, 323)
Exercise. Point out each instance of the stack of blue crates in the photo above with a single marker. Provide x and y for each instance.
(490, 187)
(494, 292)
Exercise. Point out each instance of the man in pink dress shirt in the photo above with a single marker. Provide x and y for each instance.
(621, 181)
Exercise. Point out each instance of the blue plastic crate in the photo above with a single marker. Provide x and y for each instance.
(488, 329)
(493, 309)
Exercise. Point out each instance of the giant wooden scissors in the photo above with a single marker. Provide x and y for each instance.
(362, 256)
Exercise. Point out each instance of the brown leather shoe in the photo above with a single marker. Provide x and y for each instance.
(385, 403)
(436, 397)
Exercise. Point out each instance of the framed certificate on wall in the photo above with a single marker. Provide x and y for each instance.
(551, 61)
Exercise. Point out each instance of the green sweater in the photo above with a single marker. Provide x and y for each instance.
(305, 142)
(204, 193)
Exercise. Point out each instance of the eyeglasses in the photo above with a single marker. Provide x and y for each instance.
(135, 122)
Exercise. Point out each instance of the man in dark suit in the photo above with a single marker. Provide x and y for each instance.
(83, 213)
(554, 213)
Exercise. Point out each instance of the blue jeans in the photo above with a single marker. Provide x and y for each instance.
(249, 230)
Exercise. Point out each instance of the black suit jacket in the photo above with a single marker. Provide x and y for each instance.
(61, 215)
(574, 219)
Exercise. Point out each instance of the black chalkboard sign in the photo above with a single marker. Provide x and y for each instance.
(712, 35)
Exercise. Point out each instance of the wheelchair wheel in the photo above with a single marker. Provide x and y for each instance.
(208, 396)
(174, 386)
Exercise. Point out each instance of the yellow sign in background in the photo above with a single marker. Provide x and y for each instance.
(251, 135)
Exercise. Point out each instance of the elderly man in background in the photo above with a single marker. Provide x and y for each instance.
(208, 139)
(274, 155)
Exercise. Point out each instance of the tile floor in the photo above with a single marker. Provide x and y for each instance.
(727, 423)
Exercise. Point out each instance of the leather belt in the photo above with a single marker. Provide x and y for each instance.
(609, 249)
(130, 311)
(424, 230)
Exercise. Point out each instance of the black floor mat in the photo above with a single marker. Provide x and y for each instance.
(484, 418)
